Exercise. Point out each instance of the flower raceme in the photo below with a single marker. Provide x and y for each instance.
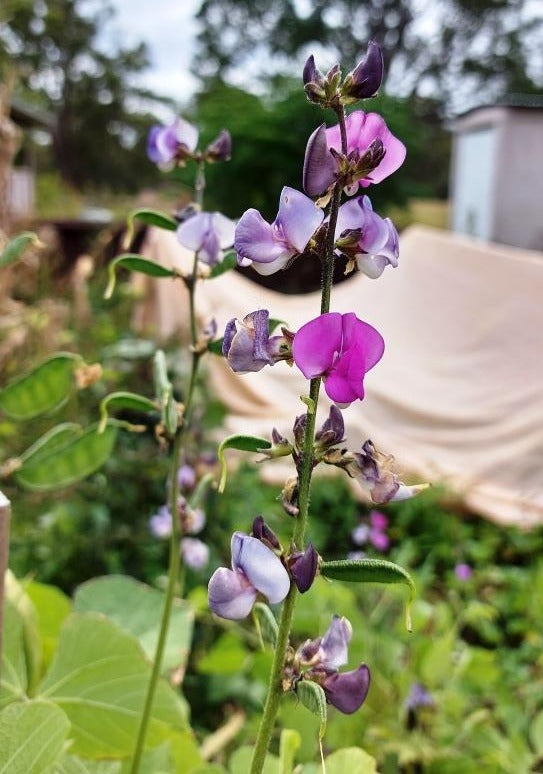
(270, 246)
(255, 568)
(341, 349)
(373, 153)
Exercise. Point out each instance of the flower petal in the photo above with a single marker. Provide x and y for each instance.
(255, 239)
(230, 594)
(224, 228)
(261, 566)
(345, 382)
(365, 336)
(319, 165)
(374, 127)
(348, 690)
(316, 344)
(298, 217)
(335, 643)
(193, 232)
(186, 134)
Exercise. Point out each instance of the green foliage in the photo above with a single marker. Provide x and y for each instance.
(31, 737)
(41, 390)
(16, 247)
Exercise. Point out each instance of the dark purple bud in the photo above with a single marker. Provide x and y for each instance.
(299, 430)
(347, 691)
(332, 430)
(319, 165)
(309, 651)
(281, 447)
(221, 147)
(262, 532)
(313, 82)
(303, 568)
(366, 78)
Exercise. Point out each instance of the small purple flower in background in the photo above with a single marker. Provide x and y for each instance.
(255, 568)
(208, 234)
(168, 144)
(373, 153)
(270, 246)
(340, 348)
(374, 532)
(195, 553)
(463, 571)
(366, 238)
(344, 690)
(192, 520)
(160, 523)
(418, 696)
(186, 477)
(220, 149)
(248, 346)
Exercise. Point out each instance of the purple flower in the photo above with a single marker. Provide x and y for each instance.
(340, 348)
(344, 690)
(186, 477)
(160, 524)
(167, 144)
(208, 234)
(195, 553)
(463, 571)
(374, 471)
(303, 567)
(366, 238)
(270, 246)
(220, 148)
(248, 346)
(194, 520)
(366, 78)
(255, 568)
(360, 534)
(373, 153)
(418, 697)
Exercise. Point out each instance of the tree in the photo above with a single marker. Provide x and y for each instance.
(101, 119)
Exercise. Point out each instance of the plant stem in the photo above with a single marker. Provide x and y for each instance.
(5, 515)
(176, 567)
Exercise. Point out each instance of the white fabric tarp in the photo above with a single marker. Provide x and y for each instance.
(458, 395)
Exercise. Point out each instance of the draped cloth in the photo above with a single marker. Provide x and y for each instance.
(458, 395)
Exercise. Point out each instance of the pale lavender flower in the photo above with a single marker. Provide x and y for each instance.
(248, 346)
(168, 144)
(194, 520)
(360, 534)
(366, 238)
(255, 568)
(418, 697)
(195, 553)
(208, 234)
(270, 246)
(374, 471)
(160, 523)
(186, 477)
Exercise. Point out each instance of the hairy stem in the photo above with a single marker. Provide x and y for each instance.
(275, 688)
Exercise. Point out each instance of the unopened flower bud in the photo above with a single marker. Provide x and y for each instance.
(289, 496)
(221, 147)
(303, 567)
(366, 78)
(262, 532)
(332, 431)
(347, 691)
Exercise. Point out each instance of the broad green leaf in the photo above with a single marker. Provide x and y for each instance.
(99, 678)
(150, 218)
(52, 440)
(353, 760)
(15, 593)
(134, 262)
(226, 656)
(137, 609)
(228, 263)
(31, 737)
(313, 698)
(536, 733)
(41, 390)
(267, 623)
(251, 443)
(124, 400)
(70, 463)
(14, 670)
(71, 764)
(371, 571)
(16, 247)
(240, 762)
(159, 760)
(289, 743)
(52, 608)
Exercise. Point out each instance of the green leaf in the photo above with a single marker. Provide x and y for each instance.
(371, 571)
(226, 656)
(228, 263)
(99, 678)
(159, 760)
(353, 760)
(267, 623)
(31, 643)
(41, 390)
(13, 684)
(31, 737)
(137, 609)
(125, 400)
(536, 733)
(150, 218)
(273, 324)
(251, 443)
(53, 439)
(16, 247)
(71, 764)
(71, 462)
(216, 346)
(52, 609)
(134, 262)
(313, 698)
(289, 744)
(240, 762)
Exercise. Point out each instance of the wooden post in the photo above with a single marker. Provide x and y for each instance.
(5, 515)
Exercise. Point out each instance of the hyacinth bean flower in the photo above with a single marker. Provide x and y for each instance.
(366, 78)
(340, 348)
(363, 236)
(195, 553)
(374, 471)
(168, 144)
(208, 234)
(255, 568)
(248, 346)
(373, 153)
(270, 246)
(344, 690)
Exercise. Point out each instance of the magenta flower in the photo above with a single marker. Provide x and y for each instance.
(208, 234)
(373, 153)
(255, 568)
(168, 144)
(463, 571)
(363, 236)
(270, 246)
(340, 348)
